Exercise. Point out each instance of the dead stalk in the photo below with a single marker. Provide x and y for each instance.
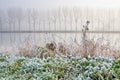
(84, 38)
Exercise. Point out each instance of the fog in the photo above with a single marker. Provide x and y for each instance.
(48, 4)
(102, 14)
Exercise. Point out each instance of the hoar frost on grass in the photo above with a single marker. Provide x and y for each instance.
(59, 68)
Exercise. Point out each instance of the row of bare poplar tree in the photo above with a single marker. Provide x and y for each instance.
(57, 19)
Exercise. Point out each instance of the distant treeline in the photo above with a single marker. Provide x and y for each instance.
(59, 19)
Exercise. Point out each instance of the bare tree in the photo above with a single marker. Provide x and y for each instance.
(28, 14)
(1, 20)
(59, 18)
(1, 25)
(11, 20)
(34, 16)
(40, 18)
(71, 18)
(19, 16)
(49, 19)
(76, 14)
(65, 15)
(54, 18)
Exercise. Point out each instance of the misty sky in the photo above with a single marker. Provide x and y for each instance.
(48, 4)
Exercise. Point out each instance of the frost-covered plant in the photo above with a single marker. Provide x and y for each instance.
(59, 68)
